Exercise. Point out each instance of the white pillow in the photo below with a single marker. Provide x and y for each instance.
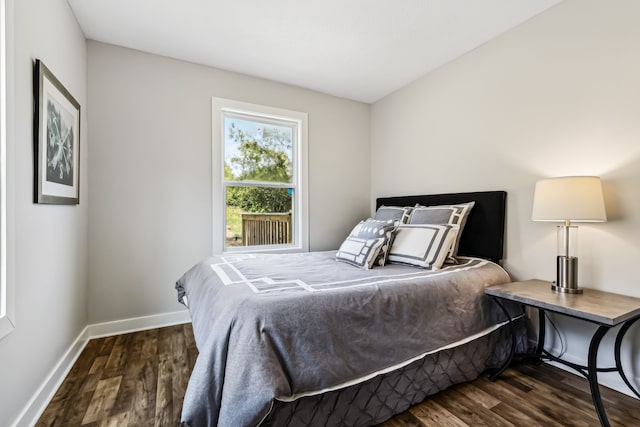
(423, 245)
(360, 252)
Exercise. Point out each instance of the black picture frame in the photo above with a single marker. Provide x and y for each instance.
(56, 136)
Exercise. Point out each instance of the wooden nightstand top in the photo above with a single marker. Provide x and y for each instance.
(597, 306)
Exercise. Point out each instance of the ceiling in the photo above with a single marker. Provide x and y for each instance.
(357, 49)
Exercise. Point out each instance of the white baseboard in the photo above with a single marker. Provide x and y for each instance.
(38, 403)
(135, 324)
(48, 388)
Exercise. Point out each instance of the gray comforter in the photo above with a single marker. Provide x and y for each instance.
(278, 326)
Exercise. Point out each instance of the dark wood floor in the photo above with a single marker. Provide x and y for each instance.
(139, 379)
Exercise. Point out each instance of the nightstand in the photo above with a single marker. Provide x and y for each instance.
(605, 309)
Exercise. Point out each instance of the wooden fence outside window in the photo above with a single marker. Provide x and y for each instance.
(266, 229)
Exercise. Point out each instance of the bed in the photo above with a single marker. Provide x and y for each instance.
(305, 340)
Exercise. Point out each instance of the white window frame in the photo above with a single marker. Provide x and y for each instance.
(300, 219)
(7, 323)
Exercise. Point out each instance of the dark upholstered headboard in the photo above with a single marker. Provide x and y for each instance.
(483, 235)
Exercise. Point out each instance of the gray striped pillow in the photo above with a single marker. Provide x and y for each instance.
(399, 214)
(359, 252)
(444, 214)
(373, 229)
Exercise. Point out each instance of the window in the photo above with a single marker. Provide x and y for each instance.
(260, 194)
(6, 306)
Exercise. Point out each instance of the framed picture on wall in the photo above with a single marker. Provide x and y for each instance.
(56, 140)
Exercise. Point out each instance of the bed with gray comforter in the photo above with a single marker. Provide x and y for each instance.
(297, 339)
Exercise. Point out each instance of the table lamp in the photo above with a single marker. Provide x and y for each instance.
(568, 199)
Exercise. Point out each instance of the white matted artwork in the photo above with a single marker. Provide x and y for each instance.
(56, 140)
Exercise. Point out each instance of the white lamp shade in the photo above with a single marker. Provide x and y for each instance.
(573, 198)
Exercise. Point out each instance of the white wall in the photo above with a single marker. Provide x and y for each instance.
(558, 95)
(150, 175)
(47, 249)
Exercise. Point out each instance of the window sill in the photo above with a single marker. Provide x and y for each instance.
(276, 249)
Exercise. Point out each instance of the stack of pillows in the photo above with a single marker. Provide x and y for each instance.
(423, 236)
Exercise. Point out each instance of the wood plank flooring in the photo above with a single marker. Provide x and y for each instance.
(139, 379)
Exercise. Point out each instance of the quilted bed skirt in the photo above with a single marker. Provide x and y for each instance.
(380, 398)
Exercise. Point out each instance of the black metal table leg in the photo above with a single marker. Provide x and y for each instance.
(541, 332)
(495, 373)
(623, 330)
(593, 374)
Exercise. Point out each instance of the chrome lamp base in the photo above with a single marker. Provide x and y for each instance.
(565, 290)
(566, 275)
